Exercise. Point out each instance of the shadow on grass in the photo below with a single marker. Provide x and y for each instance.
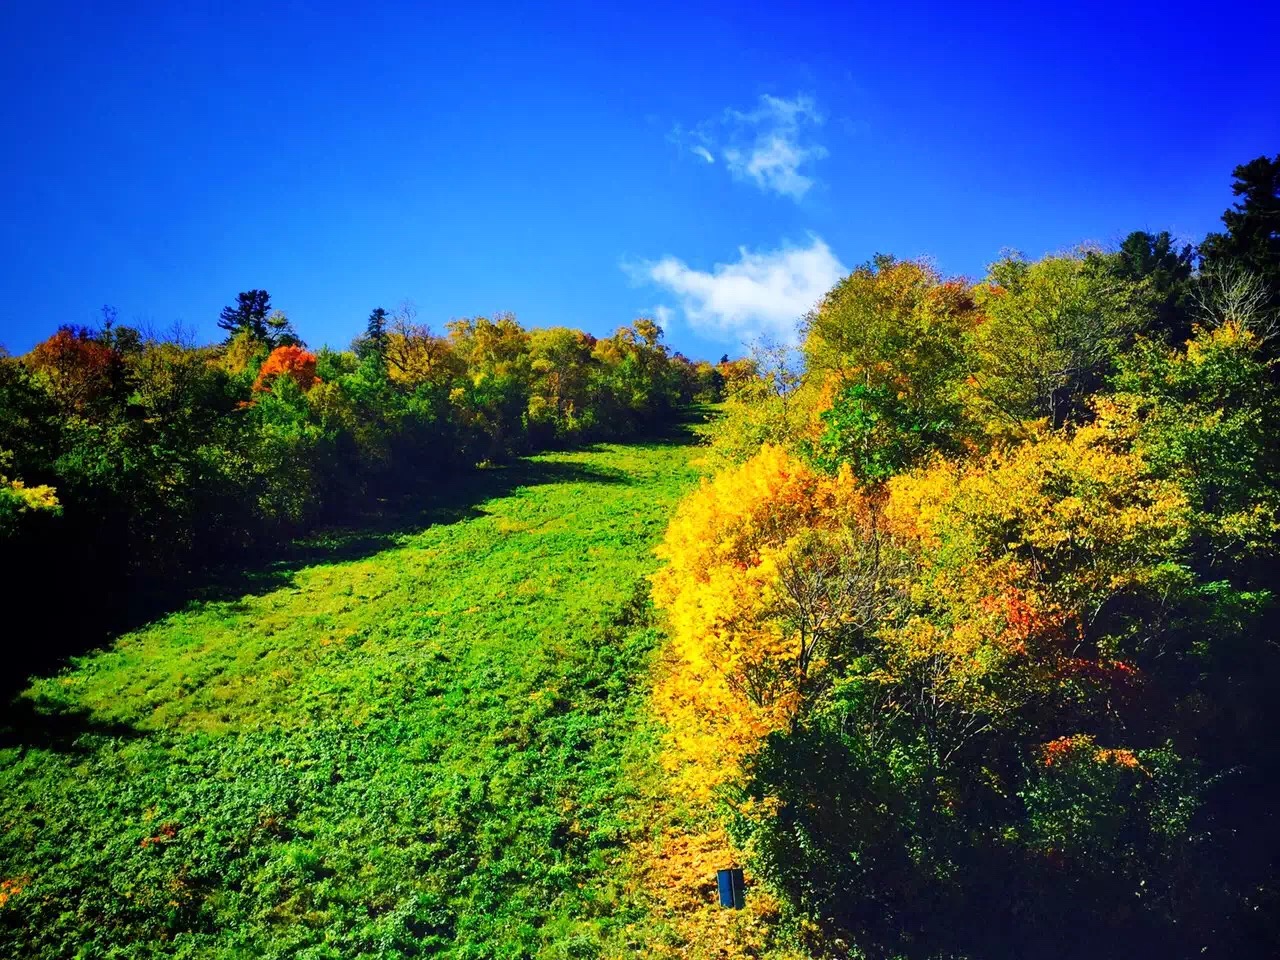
(46, 725)
(685, 430)
(90, 615)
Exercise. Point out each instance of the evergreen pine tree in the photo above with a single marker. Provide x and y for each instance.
(249, 314)
(1252, 238)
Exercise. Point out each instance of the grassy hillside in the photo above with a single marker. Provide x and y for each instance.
(411, 741)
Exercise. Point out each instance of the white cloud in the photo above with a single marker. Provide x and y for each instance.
(771, 146)
(760, 293)
(779, 146)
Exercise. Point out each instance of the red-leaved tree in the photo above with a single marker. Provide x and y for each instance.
(288, 361)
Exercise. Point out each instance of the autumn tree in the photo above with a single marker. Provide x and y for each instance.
(416, 356)
(773, 574)
(78, 366)
(293, 362)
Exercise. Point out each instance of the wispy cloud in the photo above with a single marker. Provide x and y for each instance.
(760, 293)
(663, 314)
(772, 146)
(778, 130)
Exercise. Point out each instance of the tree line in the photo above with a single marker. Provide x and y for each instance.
(972, 634)
(128, 456)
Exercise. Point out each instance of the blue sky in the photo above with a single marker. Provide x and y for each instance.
(717, 165)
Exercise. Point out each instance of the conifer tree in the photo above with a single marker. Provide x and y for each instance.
(249, 314)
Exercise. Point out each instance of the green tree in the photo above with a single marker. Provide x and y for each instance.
(372, 346)
(1052, 332)
(1167, 270)
(889, 340)
(1251, 241)
(249, 314)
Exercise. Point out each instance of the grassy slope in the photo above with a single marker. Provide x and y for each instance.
(428, 749)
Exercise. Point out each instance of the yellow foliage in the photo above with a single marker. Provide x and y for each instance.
(678, 866)
(736, 668)
(1083, 503)
(17, 498)
(1018, 554)
(41, 497)
(1230, 335)
(1007, 560)
(241, 353)
(10, 888)
(417, 356)
(756, 414)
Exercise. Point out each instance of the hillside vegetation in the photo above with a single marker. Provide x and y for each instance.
(964, 648)
(424, 742)
(131, 459)
(973, 633)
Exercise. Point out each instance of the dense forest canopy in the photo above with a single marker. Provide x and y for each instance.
(973, 638)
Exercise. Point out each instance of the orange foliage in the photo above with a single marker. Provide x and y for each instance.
(167, 832)
(1080, 746)
(10, 888)
(1060, 750)
(291, 361)
(1023, 617)
(80, 367)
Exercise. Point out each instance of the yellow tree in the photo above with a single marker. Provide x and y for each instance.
(774, 574)
(1020, 556)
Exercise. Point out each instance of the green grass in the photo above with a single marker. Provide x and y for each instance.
(423, 742)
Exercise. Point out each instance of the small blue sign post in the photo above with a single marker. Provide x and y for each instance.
(732, 895)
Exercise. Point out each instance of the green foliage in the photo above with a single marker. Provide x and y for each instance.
(1052, 331)
(879, 433)
(1251, 242)
(1165, 271)
(1206, 414)
(892, 321)
(890, 341)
